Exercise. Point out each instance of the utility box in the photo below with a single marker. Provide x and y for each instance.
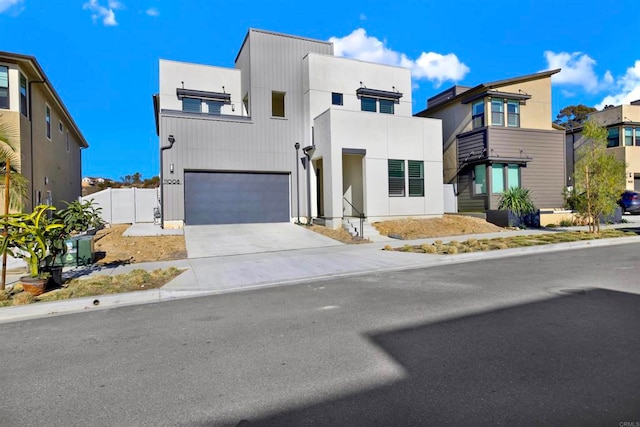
(79, 251)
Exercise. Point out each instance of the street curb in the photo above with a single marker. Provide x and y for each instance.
(102, 302)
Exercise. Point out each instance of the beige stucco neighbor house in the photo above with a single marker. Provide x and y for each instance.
(623, 127)
(499, 135)
(228, 138)
(48, 139)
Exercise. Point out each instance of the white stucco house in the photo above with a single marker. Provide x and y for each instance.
(293, 131)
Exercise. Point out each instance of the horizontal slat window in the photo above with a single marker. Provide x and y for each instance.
(368, 104)
(416, 178)
(191, 105)
(396, 178)
(386, 106)
(215, 107)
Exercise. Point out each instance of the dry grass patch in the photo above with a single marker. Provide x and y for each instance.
(340, 235)
(448, 225)
(136, 280)
(473, 245)
(120, 249)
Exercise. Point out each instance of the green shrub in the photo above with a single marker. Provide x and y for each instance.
(517, 200)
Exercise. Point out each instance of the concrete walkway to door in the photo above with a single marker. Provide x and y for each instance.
(239, 239)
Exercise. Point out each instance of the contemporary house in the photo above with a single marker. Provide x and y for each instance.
(293, 132)
(45, 134)
(499, 135)
(623, 126)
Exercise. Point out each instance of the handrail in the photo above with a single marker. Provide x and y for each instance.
(361, 215)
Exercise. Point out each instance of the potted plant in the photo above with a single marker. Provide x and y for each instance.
(81, 217)
(515, 208)
(28, 236)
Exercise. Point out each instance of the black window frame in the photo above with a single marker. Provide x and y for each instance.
(416, 181)
(47, 119)
(397, 186)
(337, 98)
(24, 107)
(613, 140)
(477, 119)
(366, 100)
(387, 106)
(278, 102)
(5, 101)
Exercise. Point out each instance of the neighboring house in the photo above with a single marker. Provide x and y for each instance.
(623, 127)
(88, 181)
(499, 135)
(47, 138)
(227, 138)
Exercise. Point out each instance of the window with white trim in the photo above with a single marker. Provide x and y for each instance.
(513, 113)
(479, 179)
(497, 112)
(477, 114)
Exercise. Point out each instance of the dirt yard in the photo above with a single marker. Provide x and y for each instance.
(448, 225)
(118, 249)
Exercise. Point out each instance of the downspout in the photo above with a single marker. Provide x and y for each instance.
(31, 140)
(171, 140)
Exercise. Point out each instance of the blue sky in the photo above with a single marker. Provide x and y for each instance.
(102, 55)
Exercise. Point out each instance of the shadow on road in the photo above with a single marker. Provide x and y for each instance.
(570, 360)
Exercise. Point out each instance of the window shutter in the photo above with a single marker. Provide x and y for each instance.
(396, 178)
(416, 178)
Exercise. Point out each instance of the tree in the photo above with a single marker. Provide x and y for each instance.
(599, 176)
(573, 115)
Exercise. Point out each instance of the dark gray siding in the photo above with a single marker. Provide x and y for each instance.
(545, 173)
(470, 148)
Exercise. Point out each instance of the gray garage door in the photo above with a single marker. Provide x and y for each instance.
(233, 198)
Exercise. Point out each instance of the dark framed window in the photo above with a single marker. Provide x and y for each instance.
(513, 114)
(628, 137)
(504, 176)
(386, 106)
(613, 137)
(60, 127)
(277, 104)
(68, 146)
(637, 136)
(368, 104)
(336, 98)
(477, 114)
(4, 86)
(23, 95)
(215, 107)
(396, 178)
(191, 105)
(497, 112)
(47, 119)
(416, 178)
(480, 179)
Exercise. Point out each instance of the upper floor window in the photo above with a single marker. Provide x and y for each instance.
(368, 104)
(336, 98)
(628, 137)
(60, 127)
(497, 112)
(215, 107)
(386, 106)
(613, 137)
(47, 119)
(23, 95)
(637, 132)
(191, 105)
(513, 114)
(477, 114)
(68, 145)
(277, 104)
(4, 86)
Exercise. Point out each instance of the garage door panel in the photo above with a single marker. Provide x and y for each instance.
(231, 198)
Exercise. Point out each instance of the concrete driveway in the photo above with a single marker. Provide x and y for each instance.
(238, 239)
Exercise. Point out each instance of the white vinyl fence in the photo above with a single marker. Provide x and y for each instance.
(450, 199)
(126, 205)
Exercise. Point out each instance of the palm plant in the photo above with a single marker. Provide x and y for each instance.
(9, 155)
(517, 200)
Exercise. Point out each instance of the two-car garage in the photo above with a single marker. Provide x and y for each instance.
(236, 197)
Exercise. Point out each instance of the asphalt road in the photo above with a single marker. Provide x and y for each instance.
(549, 339)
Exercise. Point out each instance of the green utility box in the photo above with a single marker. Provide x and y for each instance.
(79, 251)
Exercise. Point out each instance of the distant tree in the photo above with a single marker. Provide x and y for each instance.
(136, 179)
(573, 115)
(599, 176)
(151, 182)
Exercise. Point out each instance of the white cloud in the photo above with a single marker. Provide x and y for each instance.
(8, 4)
(627, 88)
(429, 65)
(105, 14)
(577, 70)
(152, 11)
(568, 93)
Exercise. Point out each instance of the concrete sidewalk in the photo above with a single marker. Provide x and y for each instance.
(221, 274)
